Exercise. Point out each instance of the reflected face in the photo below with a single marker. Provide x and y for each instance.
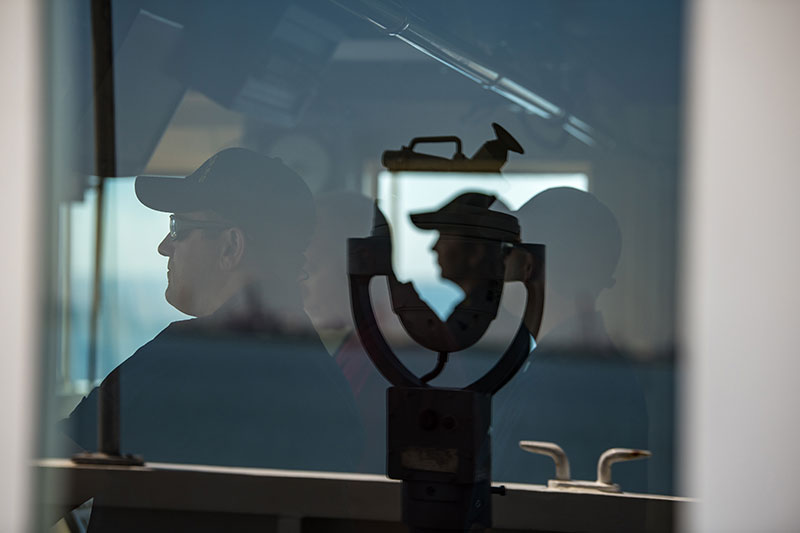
(326, 295)
(193, 270)
(454, 258)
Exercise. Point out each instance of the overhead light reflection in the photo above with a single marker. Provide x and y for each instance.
(392, 21)
(578, 134)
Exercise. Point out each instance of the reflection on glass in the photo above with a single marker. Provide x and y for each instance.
(195, 393)
(578, 391)
(402, 193)
(342, 215)
(329, 93)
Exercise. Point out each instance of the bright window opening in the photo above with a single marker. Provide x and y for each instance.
(403, 193)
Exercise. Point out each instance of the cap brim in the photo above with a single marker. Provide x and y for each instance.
(425, 220)
(167, 194)
(453, 224)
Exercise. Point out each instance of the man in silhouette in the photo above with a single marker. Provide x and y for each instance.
(577, 389)
(342, 215)
(247, 382)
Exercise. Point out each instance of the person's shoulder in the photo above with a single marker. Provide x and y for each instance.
(179, 326)
(176, 329)
(173, 334)
(172, 328)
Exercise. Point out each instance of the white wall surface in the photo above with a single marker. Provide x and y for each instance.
(741, 298)
(19, 152)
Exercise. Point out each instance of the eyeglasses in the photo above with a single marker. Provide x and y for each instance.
(180, 227)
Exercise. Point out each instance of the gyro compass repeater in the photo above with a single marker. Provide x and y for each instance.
(438, 438)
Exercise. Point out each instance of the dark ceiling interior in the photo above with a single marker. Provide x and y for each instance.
(613, 64)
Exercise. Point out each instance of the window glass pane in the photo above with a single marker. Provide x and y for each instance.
(133, 274)
(227, 151)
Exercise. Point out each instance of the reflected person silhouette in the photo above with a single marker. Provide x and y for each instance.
(578, 390)
(471, 249)
(247, 382)
(341, 215)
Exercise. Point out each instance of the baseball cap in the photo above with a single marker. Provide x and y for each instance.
(240, 185)
(469, 215)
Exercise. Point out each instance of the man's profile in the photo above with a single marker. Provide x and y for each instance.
(247, 382)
